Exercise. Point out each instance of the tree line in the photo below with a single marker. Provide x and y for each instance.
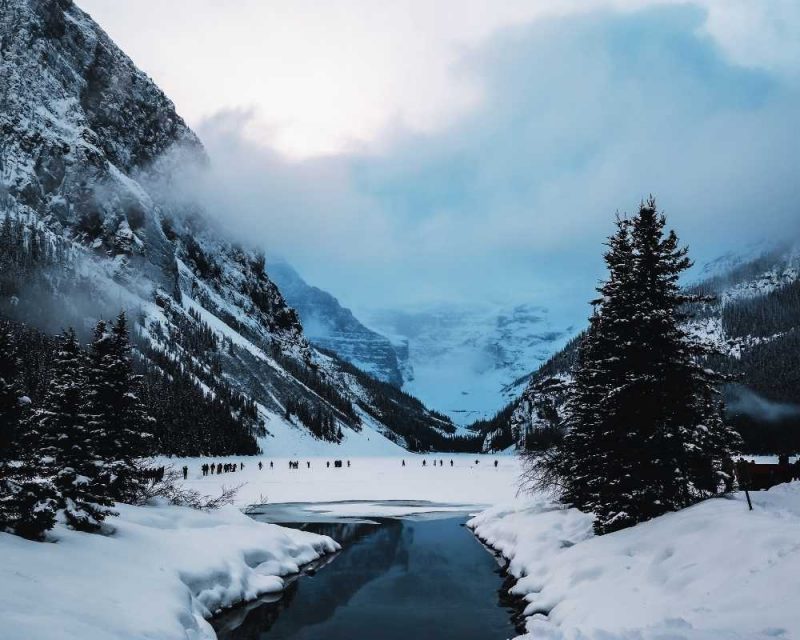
(319, 421)
(197, 411)
(309, 374)
(776, 312)
(191, 420)
(77, 449)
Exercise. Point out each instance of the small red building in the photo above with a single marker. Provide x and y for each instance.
(756, 476)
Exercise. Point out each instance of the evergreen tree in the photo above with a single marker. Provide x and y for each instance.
(70, 444)
(667, 410)
(577, 467)
(646, 431)
(117, 413)
(611, 452)
(10, 394)
(27, 504)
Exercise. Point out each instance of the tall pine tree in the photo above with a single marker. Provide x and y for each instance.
(647, 434)
(599, 373)
(116, 411)
(27, 500)
(70, 444)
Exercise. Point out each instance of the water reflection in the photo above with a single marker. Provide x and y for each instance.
(395, 579)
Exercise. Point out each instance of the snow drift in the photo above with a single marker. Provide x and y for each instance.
(714, 570)
(159, 575)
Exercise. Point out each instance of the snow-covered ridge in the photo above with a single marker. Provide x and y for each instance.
(161, 574)
(744, 282)
(762, 285)
(710, 331)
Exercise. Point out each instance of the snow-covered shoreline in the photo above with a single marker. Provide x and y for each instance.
(161, 574)
(164, 570)
(714, 570)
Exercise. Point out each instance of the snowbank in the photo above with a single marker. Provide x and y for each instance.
(714, 570)
(159, 575)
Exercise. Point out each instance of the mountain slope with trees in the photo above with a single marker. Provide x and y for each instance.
(90, 226)
(751, 318)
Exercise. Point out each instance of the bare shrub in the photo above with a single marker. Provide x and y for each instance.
(541, 471)
(170, 488)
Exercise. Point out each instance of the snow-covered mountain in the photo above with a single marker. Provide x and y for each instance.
(469, 360)
(87, 147)
(465, 361)
(331, 326)
(753, 322)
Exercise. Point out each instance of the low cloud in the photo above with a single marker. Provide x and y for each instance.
(745, 401)
(582, 116)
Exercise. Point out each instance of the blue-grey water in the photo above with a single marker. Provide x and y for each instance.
(395, 579)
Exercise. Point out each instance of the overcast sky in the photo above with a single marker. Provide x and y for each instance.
(401, 152)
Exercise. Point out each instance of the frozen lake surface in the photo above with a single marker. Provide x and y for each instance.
(471, 479)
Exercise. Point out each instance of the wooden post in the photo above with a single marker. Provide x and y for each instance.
(743, 474)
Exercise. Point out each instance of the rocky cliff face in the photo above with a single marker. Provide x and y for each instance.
(331, 326)
(78, 120)
(82, 130)
(86, 145)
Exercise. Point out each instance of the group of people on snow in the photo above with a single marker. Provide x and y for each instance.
(218, 467)
(441, 463)
(229, 467)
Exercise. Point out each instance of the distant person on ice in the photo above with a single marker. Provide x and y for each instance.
(260, 466)
(185, 472)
